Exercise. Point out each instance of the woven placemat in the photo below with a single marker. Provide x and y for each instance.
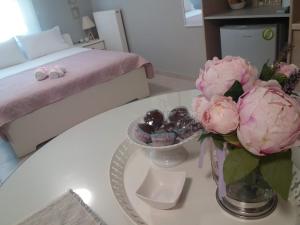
(67, 210)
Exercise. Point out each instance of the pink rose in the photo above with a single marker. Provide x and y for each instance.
(219, 75)
(287, 69)
(269, 120)
(220, 115)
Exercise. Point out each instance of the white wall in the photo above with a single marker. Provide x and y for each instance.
(155, 30)
(58, 12)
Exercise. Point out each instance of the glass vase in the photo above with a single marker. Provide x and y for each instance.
(249, 198)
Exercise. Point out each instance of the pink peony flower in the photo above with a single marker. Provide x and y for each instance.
(220, 115)
(287, 69)
(219, 75)
(269, 119)
(270, 83)
(199, 105)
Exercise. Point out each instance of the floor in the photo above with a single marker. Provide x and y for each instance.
(8, 160)
(161, 84)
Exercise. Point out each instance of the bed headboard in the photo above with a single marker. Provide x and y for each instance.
(68, 39)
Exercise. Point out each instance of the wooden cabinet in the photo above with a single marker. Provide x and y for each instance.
(216, 13)
(295, 56)
(294, 39)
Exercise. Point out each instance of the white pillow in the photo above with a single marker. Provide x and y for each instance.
(10, 54)
(42, 43)
(188, 5)
(68, 39)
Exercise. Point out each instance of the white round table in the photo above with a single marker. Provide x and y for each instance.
(79, 159)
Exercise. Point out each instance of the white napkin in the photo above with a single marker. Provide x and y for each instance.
(67, 210)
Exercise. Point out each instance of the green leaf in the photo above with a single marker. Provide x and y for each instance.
(232, 139)
(238, 164)
(218, 143)
(276, 169)
(231, 147)
(217, 137)
(218, 140)
(281, 78)
(235, 91)
(267, 72)
(203, 136)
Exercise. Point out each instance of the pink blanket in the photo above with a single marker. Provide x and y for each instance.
(21, 94)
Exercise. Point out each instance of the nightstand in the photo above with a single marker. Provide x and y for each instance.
(93, 44)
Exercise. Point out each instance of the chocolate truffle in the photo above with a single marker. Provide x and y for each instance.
(168, 127)
(178, 114)
(146, 128)
(184, 122)
(142, 132)
(184, 127)
(154, 118)
(196, 126)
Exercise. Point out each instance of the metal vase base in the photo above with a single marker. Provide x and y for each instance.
(247, 211)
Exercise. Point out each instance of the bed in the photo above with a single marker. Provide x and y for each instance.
(26, 130)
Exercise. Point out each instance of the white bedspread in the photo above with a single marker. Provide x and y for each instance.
(40, 61)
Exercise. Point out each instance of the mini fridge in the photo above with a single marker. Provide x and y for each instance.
(256, 43)
(111, 29)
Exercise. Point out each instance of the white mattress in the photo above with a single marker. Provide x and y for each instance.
(40, 61)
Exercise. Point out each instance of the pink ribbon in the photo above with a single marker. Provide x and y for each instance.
(221, 155)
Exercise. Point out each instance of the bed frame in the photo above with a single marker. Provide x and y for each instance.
(26, 133)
